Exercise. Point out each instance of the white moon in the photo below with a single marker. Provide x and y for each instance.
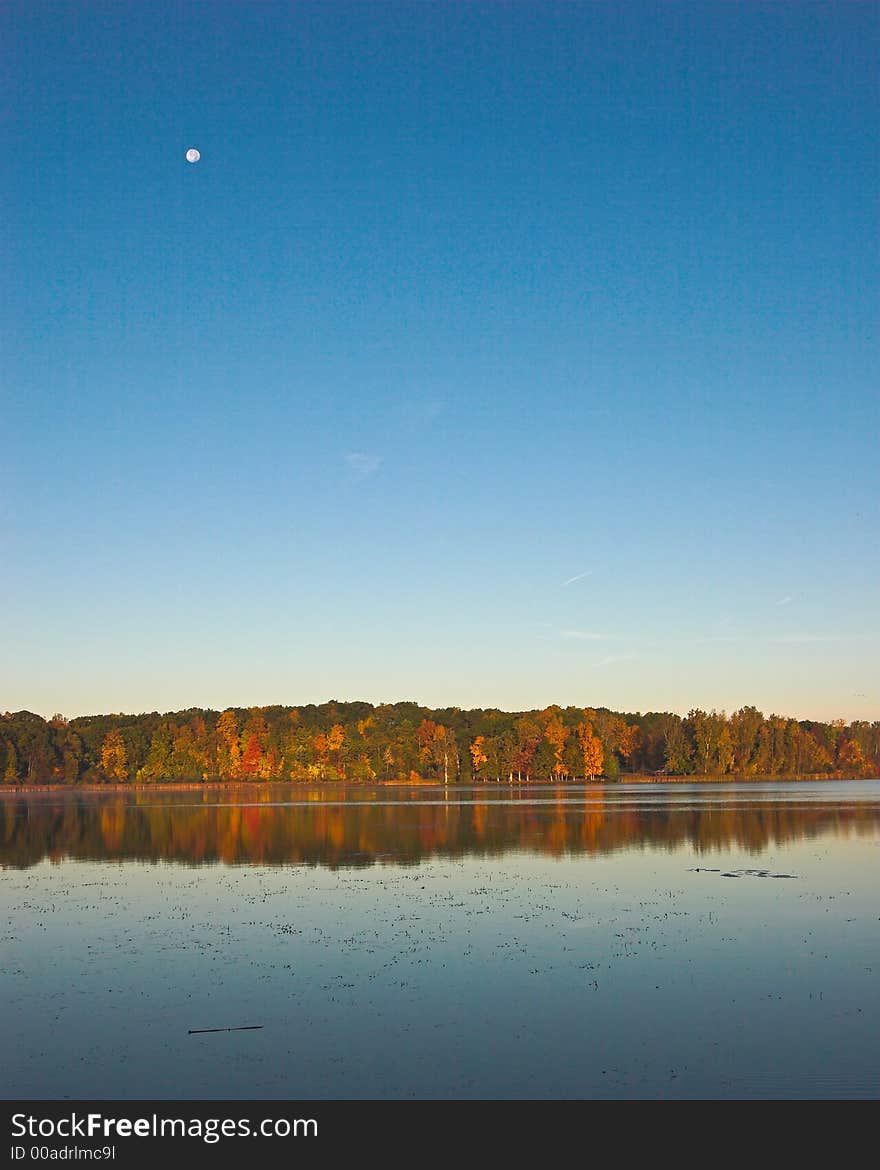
(192, 155)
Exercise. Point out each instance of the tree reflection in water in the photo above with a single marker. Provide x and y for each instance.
(335, 826)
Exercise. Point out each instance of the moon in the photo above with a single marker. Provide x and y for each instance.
(192, 155)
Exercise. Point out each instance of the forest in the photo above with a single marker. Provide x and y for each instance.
(406, 743)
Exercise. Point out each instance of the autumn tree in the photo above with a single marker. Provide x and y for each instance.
(228, 747)
(628, 739)
(849, 756)
(478, 756)
(591, 749)
(437, 752)
(555, 735)
(319, 743)
(335, 740)
(252, 742)
(114, 761)
(425, 737)
(251, 757)
(528, 736)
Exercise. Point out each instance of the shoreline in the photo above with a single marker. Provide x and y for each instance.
(434, 785)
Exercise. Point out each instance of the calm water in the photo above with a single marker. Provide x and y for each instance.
(620, 941)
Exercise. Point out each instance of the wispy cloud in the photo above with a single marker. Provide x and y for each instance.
(577, 577)
(784, 601)
(363, 465)
(586, 635)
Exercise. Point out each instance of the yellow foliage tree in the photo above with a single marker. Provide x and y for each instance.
(228, 748)
(114, 760)
(335, 737)
(556, 735)
(335, 740)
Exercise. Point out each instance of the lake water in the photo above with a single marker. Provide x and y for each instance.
(639, 941)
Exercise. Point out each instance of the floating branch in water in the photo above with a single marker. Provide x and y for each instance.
(240, 1028)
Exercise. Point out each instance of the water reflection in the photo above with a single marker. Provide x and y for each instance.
(337, 827)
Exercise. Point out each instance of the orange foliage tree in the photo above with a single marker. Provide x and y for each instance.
(591, 747)
(478, 756)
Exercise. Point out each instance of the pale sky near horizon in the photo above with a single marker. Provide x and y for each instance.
(491, 355)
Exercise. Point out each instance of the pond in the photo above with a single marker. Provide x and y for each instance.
(583, 941)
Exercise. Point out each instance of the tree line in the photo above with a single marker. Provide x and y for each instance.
(404, 742)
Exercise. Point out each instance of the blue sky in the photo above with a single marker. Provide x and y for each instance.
(492, 355)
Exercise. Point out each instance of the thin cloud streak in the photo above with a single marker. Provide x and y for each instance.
(577, 577)
(586, 635)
